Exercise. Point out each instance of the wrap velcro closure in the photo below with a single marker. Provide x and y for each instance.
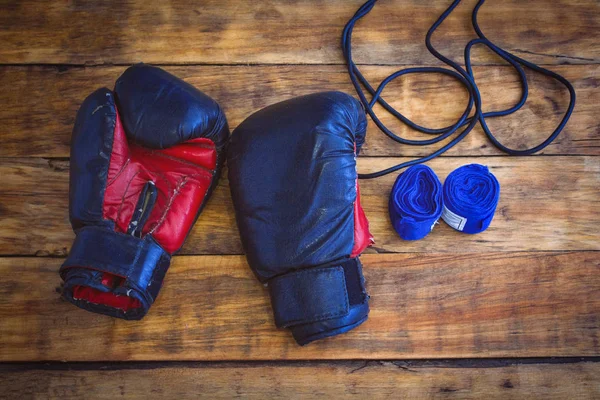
(140, 262)
(309, 295)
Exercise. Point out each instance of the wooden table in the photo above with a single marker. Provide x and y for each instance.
(511, 312)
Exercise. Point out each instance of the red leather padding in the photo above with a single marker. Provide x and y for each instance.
(182, 175)
(362, 236)
(124, 303)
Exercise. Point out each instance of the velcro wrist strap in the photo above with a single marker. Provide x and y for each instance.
(316, 294)
(141, 262)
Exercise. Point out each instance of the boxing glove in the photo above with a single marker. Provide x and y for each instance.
(292, 173)
(144, 160)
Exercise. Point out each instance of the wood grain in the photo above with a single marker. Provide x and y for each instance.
(422, 306)
(527, 287)
(218, 31)
(546, 203)
(39, 110)
(375, 380)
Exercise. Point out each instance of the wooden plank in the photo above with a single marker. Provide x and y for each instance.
(218, 31)
(546, 203)
(38, 112)
(375, 380)
(422, 306)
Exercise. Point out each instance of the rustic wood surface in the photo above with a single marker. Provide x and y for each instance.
(546, 203)
(373, 380)
(55, 94)
(230, 32)
(473, 309)
(531, 304)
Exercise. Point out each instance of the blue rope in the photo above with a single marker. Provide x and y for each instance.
(464, 76)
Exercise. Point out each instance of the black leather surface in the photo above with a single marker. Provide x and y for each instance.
(159, 110)
(292, 174)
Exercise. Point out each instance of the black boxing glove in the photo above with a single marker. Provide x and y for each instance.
(293, 179)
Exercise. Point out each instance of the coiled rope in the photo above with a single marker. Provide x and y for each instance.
(465, 76)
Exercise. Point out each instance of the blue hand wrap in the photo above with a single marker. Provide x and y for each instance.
(415, 202)
(471, 195)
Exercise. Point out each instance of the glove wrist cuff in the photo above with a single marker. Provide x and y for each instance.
(319, 301)
(136, 267)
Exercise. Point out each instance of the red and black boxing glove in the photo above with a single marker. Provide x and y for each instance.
(144, 161)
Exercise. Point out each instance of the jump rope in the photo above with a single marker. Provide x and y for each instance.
(474, 189)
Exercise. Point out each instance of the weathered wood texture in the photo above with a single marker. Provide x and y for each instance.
(422, 306)
(527, 287)
(37, 113)
(218, 31)
(375, 380)
(546, 203)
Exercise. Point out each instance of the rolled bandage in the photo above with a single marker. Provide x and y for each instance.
(415, 202)
(471, 195)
